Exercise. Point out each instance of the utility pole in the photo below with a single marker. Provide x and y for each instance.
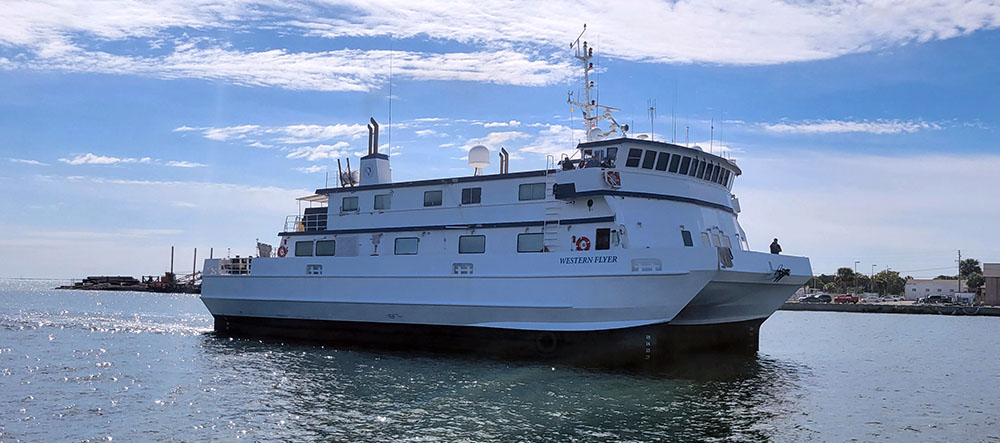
(856, 277)
(871, 279)
(959, 270)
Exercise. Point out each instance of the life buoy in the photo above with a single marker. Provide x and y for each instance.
(613, 178)
(583, 244)
(282, 251)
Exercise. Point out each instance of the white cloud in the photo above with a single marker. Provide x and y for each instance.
(426, 132)
(494, 140)
(512, 123)
(92, 159)
(554, 140)
(185, 164)
(266, 136)
(27, 162)
(841, 127)
(312, 169)
(319, 152)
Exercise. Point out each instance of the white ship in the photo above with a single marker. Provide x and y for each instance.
(628, 251)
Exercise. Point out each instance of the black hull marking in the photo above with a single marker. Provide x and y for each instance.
(626, 347)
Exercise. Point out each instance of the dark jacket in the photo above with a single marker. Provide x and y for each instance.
(775, 247)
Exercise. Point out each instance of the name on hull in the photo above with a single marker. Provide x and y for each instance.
(600, 259)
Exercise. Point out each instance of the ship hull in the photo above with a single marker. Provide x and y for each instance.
(624, 347)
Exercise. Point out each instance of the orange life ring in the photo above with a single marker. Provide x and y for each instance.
(583, 244)
(282, 251)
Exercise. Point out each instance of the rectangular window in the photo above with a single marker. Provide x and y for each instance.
(304, 248)
(701, 169)
(674, 163)
(432, 198)
(383, 202)
(686, 236)
(694, 167)
(649, 159)
(685, 164)
(531, 191)
(406, 245)
(348, 204)
(472, 244)
(704, 239)
(726, 242)
(472, 196)
(725, 178)
(612, 153)
(530, 242)
(326, 247)
(602, 240)
(716, 241)
(634, 155)
(708, 172)
(661, 161)
(715, 174)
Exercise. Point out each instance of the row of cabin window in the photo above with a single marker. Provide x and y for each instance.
(715, 239)
(470, 196)
(680, 164)
(467, 244)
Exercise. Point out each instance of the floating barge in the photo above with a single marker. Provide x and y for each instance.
(169, 282)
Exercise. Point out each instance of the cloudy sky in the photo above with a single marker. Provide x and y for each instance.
(867, 129)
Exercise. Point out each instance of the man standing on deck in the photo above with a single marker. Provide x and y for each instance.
(775, 247)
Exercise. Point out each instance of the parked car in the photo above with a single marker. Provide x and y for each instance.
(935, 299)
(845, 298)
(818, 298)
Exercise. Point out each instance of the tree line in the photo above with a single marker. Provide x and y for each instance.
(889, 282)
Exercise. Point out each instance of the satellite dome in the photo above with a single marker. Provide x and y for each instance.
(479, 157)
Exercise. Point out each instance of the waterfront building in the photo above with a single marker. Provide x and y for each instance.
(991, 292)
(917, 289)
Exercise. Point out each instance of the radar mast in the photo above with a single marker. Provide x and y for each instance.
(589, 107)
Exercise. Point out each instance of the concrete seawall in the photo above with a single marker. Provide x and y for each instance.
(993, 311)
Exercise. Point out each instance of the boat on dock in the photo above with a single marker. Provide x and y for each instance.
(628, 251)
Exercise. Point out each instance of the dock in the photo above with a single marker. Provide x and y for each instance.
(895, 308)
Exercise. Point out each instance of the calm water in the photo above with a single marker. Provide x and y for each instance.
(92, 366)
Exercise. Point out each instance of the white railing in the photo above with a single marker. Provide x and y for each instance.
(235, 266)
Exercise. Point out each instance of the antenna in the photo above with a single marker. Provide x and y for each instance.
(687, 136)
(589, 107)
(652, 112)
(389, 128)
(711, 143)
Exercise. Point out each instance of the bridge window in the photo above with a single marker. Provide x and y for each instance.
(383, 201)
(406, 245)
(530, 242)
(649, 159)
(326, 247)
(472, 244)
(694, 167)
(701, 169)
(661, 161)
(472, 196)
(674, 163)
(531, 191)
(686, 237)
(634, 155)
(708, 172)
(304, 248)
(715, 174)
(432, 198)
(349, 204)
(685, 164)
(612, 154)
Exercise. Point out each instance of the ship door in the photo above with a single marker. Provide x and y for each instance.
(602, 240)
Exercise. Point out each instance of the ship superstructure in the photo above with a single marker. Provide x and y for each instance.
(628, 251)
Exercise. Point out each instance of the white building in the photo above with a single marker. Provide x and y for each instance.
(916, 289)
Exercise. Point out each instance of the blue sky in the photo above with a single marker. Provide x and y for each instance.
(867, 130)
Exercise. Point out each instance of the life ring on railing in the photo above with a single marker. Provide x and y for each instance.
(282, 251)
(583, 244)
(613, 178)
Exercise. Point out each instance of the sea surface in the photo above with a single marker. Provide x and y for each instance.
(125, 366)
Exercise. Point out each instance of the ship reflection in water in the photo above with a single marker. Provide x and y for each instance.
(88, 365)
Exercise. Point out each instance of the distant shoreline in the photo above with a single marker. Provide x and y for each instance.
(884, 308)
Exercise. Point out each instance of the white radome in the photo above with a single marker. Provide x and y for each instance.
(479, 157)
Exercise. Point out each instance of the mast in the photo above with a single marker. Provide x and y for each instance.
(589, 107)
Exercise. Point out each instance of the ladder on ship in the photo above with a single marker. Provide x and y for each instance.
(550, 223)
